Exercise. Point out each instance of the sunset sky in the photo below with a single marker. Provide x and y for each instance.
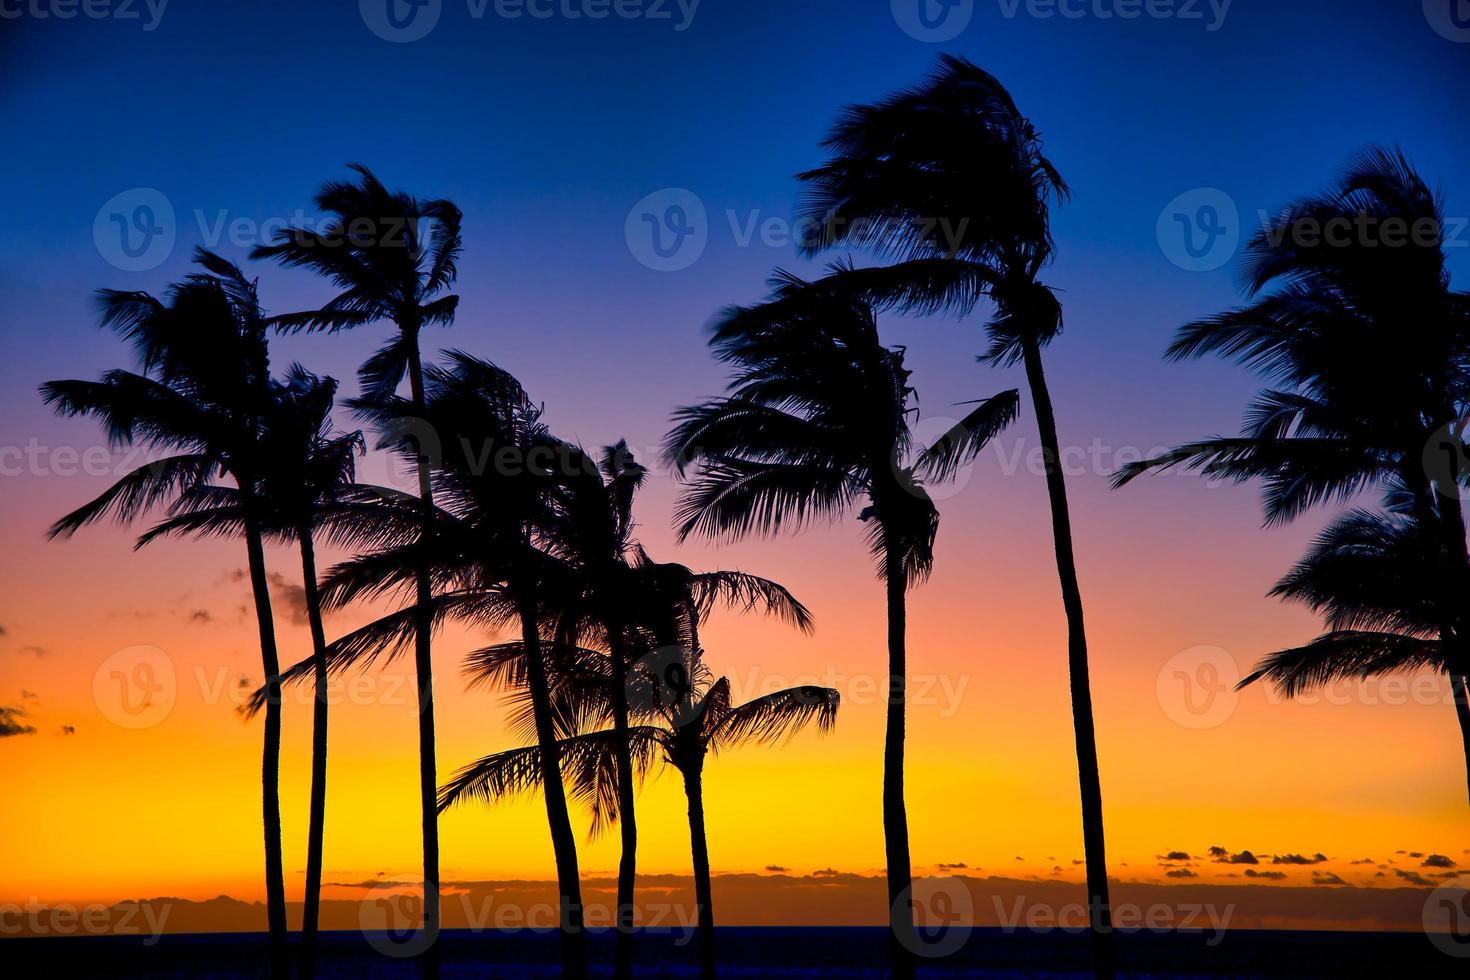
(547, 133)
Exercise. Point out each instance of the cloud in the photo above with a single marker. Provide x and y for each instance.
(1272, 875)
(1175, 856)
(826, 873)
(1414, 854)
(1317, 858)
(1180, 873)
(31, 696)
(4, 631)
(1244, 857)
(68, 730)
(956, 866)
(1364, 861)
(33, 650)
(290, 594)
(200, 616)
(1218, 852)
(777, 869)
(1438, 861)
(1326, 878)
(1412, 877)
(11, 724)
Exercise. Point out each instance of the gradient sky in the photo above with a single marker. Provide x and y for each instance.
(547, 132)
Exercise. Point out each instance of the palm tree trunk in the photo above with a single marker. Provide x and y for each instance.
(1451, 518)
(1461, 687)
(1094, 843)
(316, 820)
(270, 763)
(627, 819)
(703, 896)
(563, 843)
(424, 670)
(895, 818)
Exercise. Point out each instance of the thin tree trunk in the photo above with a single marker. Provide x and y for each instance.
(1451, 518)
(1093, 840)
(270, 763)
(703, 895)
(1461, 688)
(424, 670)
(627, 818)
(563, 842)
(895, 818)
(316, 821)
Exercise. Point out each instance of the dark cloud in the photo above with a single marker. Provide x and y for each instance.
(956, 866)
(11, 723)
(68, 730)
(1412, 877)
(1175, 856)
(1244, 857)
(1438, 861)
(1218, 852)
(200, 616)
(291, 595)
(1326, 878)
(1414, 854)
(1180, 873)
(1272, 875)
(31, 696)
(1364, 861)
(776, 868)
(33, 650)
(1317, 858)
(826, 873)
(4, 631)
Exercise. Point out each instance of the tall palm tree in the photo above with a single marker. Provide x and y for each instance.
(817, 421)
(1365, 346)
(394, 257)
(201, 391)
(307, 474)
(949, 181)
(678, 727)
(1383, 584)
(496, 487)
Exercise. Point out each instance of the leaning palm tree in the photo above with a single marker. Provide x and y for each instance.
(201, 393)
(1365, 346)
(394, 257)
(680, 724)
(306, 479)
(495, 487)
(949, 181)
(1382, 582)
(816, 423)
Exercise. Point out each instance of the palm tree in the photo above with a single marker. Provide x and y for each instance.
(374, 249)
(816, 421)
(307, 472)
(949, 180)
(496, 484)
(201, 392)
(680, 725)
(1383, 583)
(1366, 345)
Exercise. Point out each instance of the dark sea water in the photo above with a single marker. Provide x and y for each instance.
(764, 952)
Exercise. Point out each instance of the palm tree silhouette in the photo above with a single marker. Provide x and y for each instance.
(201, 393)
(683, 718)
(950, 181)
(307, 474)
(1384, 585)
(1365, 345)
(374, 249)
(816, 420)
(497, 481)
